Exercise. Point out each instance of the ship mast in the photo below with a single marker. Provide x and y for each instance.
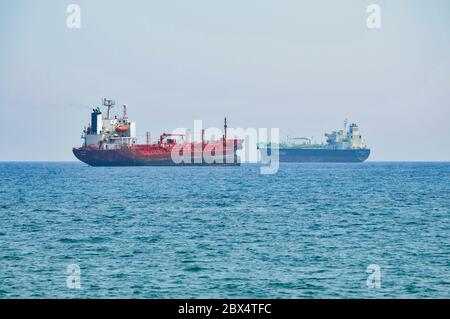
(225, 129)
(124, 111)
(109, 104)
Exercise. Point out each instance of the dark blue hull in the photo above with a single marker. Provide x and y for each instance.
(323, 155)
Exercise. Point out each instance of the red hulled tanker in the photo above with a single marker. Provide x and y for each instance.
(111, 141)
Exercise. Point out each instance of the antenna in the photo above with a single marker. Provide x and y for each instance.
(124, 111)
(109, 104)
(225, 128)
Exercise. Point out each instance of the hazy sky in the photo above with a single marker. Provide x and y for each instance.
(302, 66)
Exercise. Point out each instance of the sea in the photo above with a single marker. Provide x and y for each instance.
(371, 230)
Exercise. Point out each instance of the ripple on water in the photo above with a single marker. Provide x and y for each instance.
(308, 231)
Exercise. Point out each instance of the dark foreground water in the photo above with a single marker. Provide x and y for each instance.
(311, 230)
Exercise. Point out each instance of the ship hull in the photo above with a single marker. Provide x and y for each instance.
(312, 155)
(126, 157)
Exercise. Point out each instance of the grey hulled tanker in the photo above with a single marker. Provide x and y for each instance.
(342, 146)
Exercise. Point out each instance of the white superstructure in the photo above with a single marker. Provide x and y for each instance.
(348, 138)
(109, 132)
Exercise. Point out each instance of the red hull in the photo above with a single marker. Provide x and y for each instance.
(213, 153)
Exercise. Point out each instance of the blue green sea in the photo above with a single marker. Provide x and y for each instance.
(309, 231)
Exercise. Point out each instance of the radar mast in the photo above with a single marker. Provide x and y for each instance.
(109, 104)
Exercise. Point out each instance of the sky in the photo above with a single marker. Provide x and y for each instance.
(300, 66)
